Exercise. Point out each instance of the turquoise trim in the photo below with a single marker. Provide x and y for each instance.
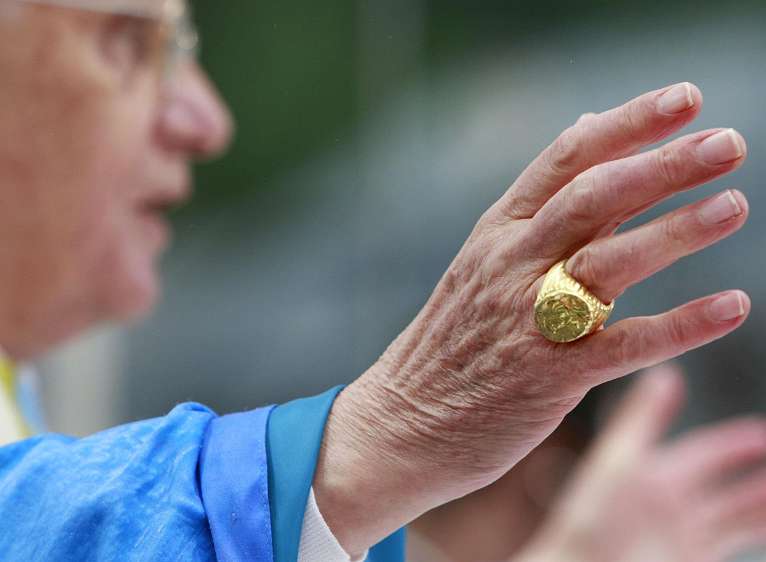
(294, 436)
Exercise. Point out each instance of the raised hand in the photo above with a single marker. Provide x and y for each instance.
(471, 386)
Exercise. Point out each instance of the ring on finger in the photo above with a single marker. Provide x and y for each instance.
(565, 310)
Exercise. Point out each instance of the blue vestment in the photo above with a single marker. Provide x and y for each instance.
(190, 486)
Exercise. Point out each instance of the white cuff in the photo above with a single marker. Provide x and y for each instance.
(318, 544)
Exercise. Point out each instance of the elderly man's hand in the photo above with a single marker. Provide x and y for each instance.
(634, 499)
(471, 386)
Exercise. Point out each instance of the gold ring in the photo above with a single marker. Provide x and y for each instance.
(565, 310)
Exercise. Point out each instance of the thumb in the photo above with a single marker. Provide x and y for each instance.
(638, 423)
(646, 412)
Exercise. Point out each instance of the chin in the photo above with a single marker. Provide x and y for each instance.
(134, 296)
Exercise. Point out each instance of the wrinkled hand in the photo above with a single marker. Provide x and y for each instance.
(634, 499)
(470, 387)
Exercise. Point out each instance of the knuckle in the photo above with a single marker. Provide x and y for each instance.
(623, 345)
(451, 279)
(634, 116)
(587, 268)
(494, 256)
(676, 332)
(669, 166)
(487, 221)
(565, 152)
(582, 202)
(629, 260)
(674, 232)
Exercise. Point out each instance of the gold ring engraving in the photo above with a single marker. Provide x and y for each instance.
(565, 310)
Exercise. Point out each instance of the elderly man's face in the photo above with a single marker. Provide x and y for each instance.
(94, 147)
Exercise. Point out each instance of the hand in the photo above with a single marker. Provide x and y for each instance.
(471, 386)
(634, 499)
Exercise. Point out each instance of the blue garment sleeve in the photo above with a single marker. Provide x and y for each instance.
(294, 436)
(130, 493)
(235, 489)
(189, 487)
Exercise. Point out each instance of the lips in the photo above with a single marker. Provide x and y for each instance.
(153, 208)
(164, 200)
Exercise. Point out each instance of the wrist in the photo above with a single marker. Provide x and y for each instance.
(373, 476)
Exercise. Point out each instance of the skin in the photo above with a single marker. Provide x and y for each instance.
(699, 497)
(106, 151)
(470, 386)
(633, 497)
(496, 522)
(97, 146)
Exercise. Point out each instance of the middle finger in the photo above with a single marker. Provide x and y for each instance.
(575, 215)
(608, 266)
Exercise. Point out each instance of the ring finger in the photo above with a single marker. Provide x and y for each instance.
(609, 266)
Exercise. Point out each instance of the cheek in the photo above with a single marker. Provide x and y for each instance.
(132, 285)
(135, 262)
(116, 249)
(122, 245)
(72, 154)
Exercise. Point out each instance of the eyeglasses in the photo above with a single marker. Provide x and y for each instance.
(178, 34)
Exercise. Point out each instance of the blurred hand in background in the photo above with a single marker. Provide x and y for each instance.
(701, 497)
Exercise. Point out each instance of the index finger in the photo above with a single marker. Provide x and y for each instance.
(596, 139)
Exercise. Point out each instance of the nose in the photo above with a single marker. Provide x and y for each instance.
(194, 120)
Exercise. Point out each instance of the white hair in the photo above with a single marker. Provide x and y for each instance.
(143, 8)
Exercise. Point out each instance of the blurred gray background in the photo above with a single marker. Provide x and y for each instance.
(372, 135)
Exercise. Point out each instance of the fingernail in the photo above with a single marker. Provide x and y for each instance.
(727, 307)
(720, 209)
(721, 147)
(677, 99)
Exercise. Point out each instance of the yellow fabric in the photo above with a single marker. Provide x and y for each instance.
(12, 425)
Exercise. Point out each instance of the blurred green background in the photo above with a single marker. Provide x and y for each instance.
(371, 136)
(291, 70)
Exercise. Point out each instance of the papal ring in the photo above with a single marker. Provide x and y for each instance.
(565, 310)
